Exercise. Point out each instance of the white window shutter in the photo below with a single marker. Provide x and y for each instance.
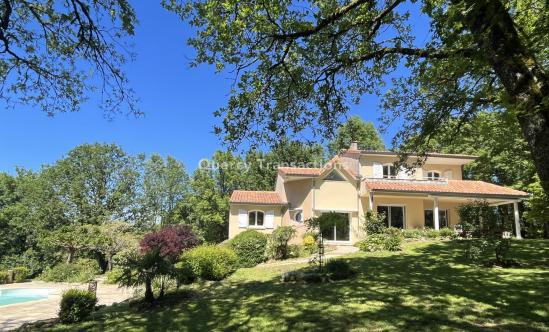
(378, 170)
(448, 175)
(269, 219)
(242, 218)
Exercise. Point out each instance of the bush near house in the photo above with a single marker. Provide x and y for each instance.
(209, 262)
(249, 246)
(20, 273)
(309, 243)
(428, 233)
(390, 240)
(76, 305)
(82, 270)
(374, 223)
(277, 242)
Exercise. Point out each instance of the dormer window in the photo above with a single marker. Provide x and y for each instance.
(389, 172)
(433, 175)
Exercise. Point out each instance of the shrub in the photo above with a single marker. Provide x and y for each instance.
(432, 233)
(372, 243)
(390, 240)
(296, 251)
(249, 246)
(4, 277)
(20, 273)
(374, 223)
(446, 233)
(170, 241)
(277, 242)
(412, 233)
(112, 276)
(83, 270)
(209, 262)
(76, 305)
(339, 269)
(309, 243)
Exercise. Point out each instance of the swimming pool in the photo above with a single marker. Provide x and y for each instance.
(19, 295)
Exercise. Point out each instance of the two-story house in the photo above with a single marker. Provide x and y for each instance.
(356, 181)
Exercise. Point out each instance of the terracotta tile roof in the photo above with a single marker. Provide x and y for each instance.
(256, 197)
(463, 187)
(313, 172)
(299, 171)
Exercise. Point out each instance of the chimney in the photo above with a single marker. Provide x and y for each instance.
(354, 146)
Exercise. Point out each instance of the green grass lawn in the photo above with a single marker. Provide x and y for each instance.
(428, 286)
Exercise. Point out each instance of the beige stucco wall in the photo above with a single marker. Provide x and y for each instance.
(335, 196)
(234, 228)
(413, 209)
(366, 169)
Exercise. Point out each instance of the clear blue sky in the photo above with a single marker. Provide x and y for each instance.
(178, 102)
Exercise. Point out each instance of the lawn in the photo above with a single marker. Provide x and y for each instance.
(428, 286)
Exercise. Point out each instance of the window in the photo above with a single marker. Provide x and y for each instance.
(256, 218)
(442, 219)
(334, 176)
(337, 230)
(389, 171)
(298, 216)
(394, 215)
(433, 175)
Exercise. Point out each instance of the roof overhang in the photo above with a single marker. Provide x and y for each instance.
(446, 194)
(432, 158)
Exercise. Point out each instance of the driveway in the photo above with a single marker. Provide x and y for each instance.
(14, 315)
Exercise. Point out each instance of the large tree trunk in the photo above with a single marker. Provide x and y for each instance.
(525, 82)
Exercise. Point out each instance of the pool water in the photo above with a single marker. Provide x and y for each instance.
(19, 295)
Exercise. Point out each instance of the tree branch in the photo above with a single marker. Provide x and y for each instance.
(336, 15)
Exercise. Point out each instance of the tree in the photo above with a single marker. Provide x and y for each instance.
(53, 53)
(164, 185)
(537, 214)
(480, 220)
(159, 252)
(96, 183)
(356, 129)
(12, 230)
(298, 63)
(71, 239)
(113, 237)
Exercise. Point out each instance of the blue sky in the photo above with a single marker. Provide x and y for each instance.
(178, 102)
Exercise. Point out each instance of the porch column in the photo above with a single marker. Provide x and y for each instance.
(435, 213)
(371, 201)
(517, 220)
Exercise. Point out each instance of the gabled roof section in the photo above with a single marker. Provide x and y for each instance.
(256, 197)
(300, 171)
(449, 188)
(334, 163)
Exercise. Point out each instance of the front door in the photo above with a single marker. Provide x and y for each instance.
(394, 215)
(338, 230)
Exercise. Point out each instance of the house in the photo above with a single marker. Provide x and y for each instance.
(356, 181)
